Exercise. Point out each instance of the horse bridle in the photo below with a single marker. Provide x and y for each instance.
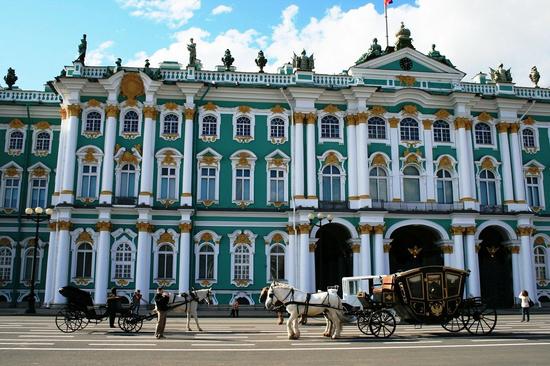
(273, 296)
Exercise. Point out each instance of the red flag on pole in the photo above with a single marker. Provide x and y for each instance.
(388, 2)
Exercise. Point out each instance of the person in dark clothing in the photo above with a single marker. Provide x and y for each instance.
(136, 301)
(113, 304)
(161, 306)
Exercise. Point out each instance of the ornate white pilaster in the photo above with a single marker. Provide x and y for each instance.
(428, 149)
(101, 278)
(311, 259)
(147, 168)
(186, 196)
(185, 254)
(470, 151)
(379, 250)
(49, 290)
(60, 157)
(363, 187)
(519, 183)
(63, 252)
(465, 173)
(458, 247)
(299, 158)
(506, 163)
(304, 268)
(67, 190)
(353, 196)
(514, 247)
(143, 262)
(355, 245)
(365, 258)
(311, 118)
(291, 255)
(527, 264)
(395, 175)
(106, 194)
(472, 262)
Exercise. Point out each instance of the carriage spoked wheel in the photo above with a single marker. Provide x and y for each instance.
(130, 323)
(68, 321)
(478, 318)
(454, 324)
(382, 323)
(363, 323)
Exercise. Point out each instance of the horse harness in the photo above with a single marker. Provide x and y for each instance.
(324, 304)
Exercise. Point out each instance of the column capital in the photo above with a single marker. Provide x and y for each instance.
(303, 229)
(185, 227)
(447, 249)
(361, 117)
(394, 121)
(427, 123)
(364, 229)
(290, 230)
(312, 247)
(64, 225)
(514, 249)
(525, 230)
(74, 110)
(387, 247)
(63, 113)
(379, 229)
(311, 118)
(456, 230)
(462, 122)
(502, 127)
(150, 112)
(514, 127)
(52, 225)
(189, 113)
(470, 230)
(351, 120)
(103, 226)
(299, 117)
(144, 227)
(111, 111)
(356, 248)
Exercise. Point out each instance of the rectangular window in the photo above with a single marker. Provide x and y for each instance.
(444, 191)
(168, 183)
(276, 185)
(533, 196)
(89, 181)
(38, 193)
(242, 185)
(208, 184)
(11, 193)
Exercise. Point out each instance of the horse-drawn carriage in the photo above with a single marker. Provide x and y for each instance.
(426, 295)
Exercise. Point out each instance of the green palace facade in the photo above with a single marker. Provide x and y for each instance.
(188, 178)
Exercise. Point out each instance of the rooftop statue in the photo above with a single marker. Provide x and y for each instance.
(10, 78)
(436, 55)
(82, 50)
(192, 48)
(227, 60)
(500, 75)
(535, 76)
(261, 61)
(374, 51)
(118, 63)
(403, 38)
(303, 62)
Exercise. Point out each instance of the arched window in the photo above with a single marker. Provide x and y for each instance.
(483, 134)
(378, 180)
(168, 183)
(27, 264)
(84, 259)
(209, 126)
(243, 127)
(487, 188)
(376, 127)
(444, 187)
(170, 124)
(409, 130)
(540, 263)
(206, 262)
(38, 192)
(93, 122)
(277, 128)
(42, 142)
(528, 136)
(165, 268)
(16, 140)
(332, 183)
(88, 188)
(242, 263)
(277, 262)
(123, 261)
(533, 191)
(127, 181)
(330, 127)
(411, 184)
(442, 131)
(6, 261)
(131, 121)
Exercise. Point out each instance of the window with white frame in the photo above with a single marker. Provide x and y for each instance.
(376, 127)
(10, 192)
(241, 266)
(206, 261)
(409, 129)
(84, 260)
(130, 122)
(93, 122)
(378, 181)
(16, 140)
(540, 263)
(242, 184)
(243, 127)
(483, 135)
(444, 186)
(277, 183)
(42, 142)
(277, 262)
(165, 266)
(487, 188)
(207, 184)
(331, 178)
(6, 263)
(330, 127)
(441, 131)
(39, 187)
(532, 185)
(127, 184)
(528, 137)
(277, 128)
(89, 178)
(170, 124)
(168, 183)
(209, 126)
(411, 184)
(123, 261)
(27, 260)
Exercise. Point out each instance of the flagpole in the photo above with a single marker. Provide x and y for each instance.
(386, 16)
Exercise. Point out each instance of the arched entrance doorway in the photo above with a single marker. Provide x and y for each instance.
(414, 246)
(495, 268)
(333, 256)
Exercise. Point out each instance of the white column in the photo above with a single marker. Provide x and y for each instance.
(186, 196)
(519, 185)
(311, 259)
(143, 262)
(527, 274)
(506, 163)
(356, 256)
(299, 156)
(428, 149)
(447, 251)
(184, 257)
(516, 271)
(310, 157)
(60, 158)
(106, 194)
(465, 193)
(290, 256)
(49, 291)
(353, 196)
(362, 162)
(458, 247)
(395, 173)
(379, 255)
(365, 259)
(67, 193)
(304, 257)
(472, 261)
(62, 262)
(146, 187)
(101, 279)
(470, 152)
(387, 247)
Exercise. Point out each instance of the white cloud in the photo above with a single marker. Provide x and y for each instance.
(474, 35)
(221, 9)
(175, 12)
(101, 54)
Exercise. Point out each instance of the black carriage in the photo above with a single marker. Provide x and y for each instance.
(81, 311)
(427, 295)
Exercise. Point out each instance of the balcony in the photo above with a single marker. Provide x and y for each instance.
(418, 206)
(127, 201)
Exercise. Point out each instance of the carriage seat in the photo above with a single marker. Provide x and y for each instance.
(387, 285)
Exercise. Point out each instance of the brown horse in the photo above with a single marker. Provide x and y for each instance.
(279, 306)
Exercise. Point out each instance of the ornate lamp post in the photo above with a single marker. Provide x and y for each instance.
(37, 215)
(320, 217)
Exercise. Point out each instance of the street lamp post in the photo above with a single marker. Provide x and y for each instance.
(320, 217)
(37, 215)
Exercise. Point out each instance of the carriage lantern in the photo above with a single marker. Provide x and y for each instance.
(37, 215)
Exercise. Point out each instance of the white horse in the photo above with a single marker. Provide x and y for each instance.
(298, 303)
(190, 302)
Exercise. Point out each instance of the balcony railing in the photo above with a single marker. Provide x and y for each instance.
(418, 206)
(128, 201)
(493, 208)
(333, 205)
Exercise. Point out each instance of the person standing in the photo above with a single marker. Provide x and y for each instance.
(526, 303)
(235, 309)
(136, 300)
(113, 304)
(161, 306)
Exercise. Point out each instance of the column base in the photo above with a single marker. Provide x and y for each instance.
(518, 207)
(105, 199)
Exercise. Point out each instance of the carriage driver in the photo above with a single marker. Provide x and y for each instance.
(161, 306)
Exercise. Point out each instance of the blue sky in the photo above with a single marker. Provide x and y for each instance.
(39, 37)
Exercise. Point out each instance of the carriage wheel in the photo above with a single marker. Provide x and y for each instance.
(130, 323)
(480, 320)
(453, 325)
(68, 321)
(363, 323)
(382, 324)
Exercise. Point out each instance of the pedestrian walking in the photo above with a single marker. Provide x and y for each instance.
(526, 303)
(235, 309)
(113, 305)
(136, 301)
(161, 306)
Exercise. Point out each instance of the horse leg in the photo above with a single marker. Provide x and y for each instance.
(196, 320)
(289, 325)
(337, 325)
(296, 325)
(326, 333)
